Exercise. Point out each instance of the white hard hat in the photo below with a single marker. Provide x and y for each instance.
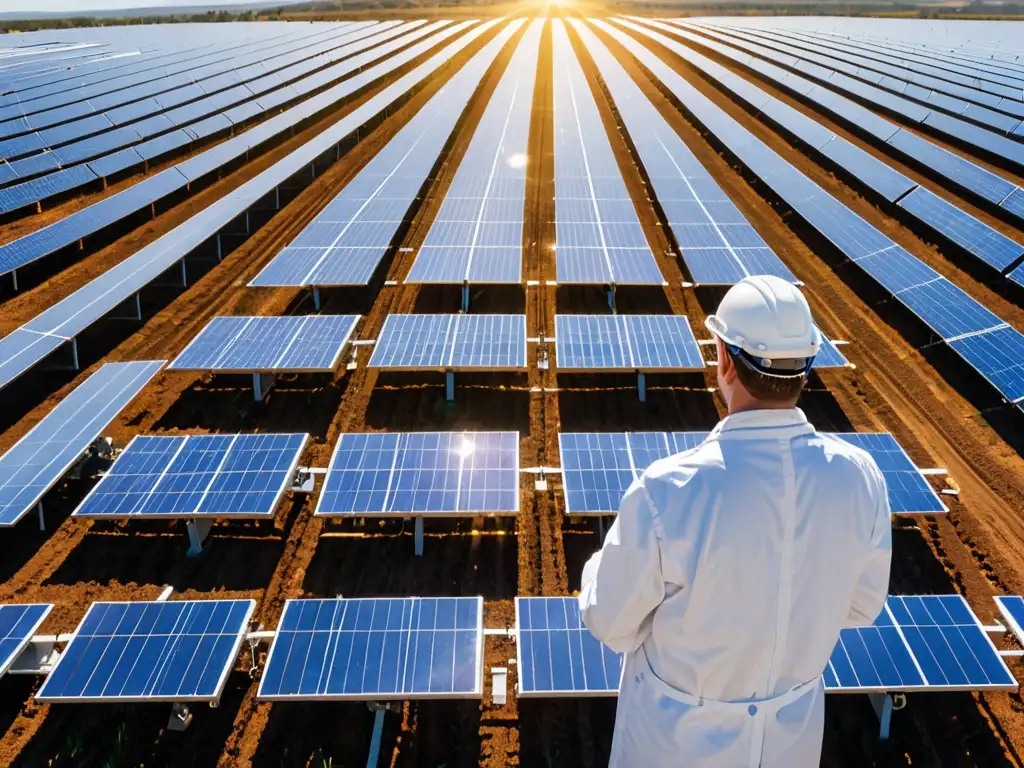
(768, 318)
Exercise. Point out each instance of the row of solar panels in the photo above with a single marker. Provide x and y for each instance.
(432, 648)
(1006, 149)
(983, 340)
(32, 342)
(976, 238)
(119, 149)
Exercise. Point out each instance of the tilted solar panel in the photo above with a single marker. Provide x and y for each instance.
(598, 467)
(450, 342)
(247, 344)
(37, 461)
(170, 651)
(1012, 610)
(18, 623)
(377, 649)
(197, 476)
(626, 342)
(422, 473)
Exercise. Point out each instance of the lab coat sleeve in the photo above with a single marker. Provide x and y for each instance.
(622, 583)
(873, 585)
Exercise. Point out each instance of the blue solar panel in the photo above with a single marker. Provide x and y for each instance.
(594, 244)
(18, 623)
(868, 169)
(598, 468)
(422, 473)
(40, 458)
(918, 643)
(247, 344)
(197, 476)
(34, 190)
(829, 356)
(173, 651)
(947, 309)
(486, 245)
(1012, 610)
(931, 642)
(978, 239)
(629, 342)
(377, 649)
(557, 656)
(417, 342)
(998, 355)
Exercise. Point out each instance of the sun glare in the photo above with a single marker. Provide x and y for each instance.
(518, 160)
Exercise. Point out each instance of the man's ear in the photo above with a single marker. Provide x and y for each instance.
(726, 367)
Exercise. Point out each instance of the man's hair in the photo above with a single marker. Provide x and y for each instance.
(763, 387)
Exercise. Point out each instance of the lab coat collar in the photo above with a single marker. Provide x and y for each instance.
(754, 425)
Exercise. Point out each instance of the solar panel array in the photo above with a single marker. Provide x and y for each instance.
(196, 476)
(598, 467)
(477, 235)
(30, 343)
(18, 623)
(451, 342)
(599, 239)
(173, 651)
(247, 344)
(918, 643)
(377, 649)
(38, 460)
(718, 245)
(1012, 610)
(446, 474)
(626, 342)
(983, 340)
(346, 241)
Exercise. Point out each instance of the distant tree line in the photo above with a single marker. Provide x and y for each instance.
(34, 25)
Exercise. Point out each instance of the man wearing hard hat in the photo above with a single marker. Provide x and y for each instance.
(732, 567)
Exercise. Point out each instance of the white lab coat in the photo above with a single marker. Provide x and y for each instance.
(725, 580)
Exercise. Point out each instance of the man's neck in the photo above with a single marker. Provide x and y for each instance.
(753, 404)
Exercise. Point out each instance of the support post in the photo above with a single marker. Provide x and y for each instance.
(42, 520)
(261, 384)
(375, 739)
(138, 306)
(247, 230)
(184, 274)
(74, 354)
(198, 530)
(641, 386)
(419, 537)
(316, 298)
(611, 297)
(14, 274)
(882, 703)
(600, 530)
(220, 252)
(465, 297)
(277, 197)
(449, 386)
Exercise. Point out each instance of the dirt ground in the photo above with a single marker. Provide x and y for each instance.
(978, 549)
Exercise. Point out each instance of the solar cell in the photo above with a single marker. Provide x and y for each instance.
(449, 342)
(557, 656)
(248, 344)
(377, 649)
(489, 249)
(197, 476)
(628, 342)
(171, 651)
(356, 218)
(422, 473)
(18, 623)
(591, 249)
(39, 459)
(598, 468)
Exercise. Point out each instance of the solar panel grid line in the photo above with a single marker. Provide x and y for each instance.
(18, 624)
(391, 635)
(116, 626)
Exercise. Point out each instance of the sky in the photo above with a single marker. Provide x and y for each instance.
(98, 5)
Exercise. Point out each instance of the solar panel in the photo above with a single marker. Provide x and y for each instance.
(247, 344)
(371, 208)
(41, 457)
(595, 243)
(449, 342)
(598, 467)
(829, 356)
(556, 655)
(487, 195)
(377, 649)
(445, 474)
(930, 642)
(18, 623)
(626, 342)
(998, 355)
(197, 476)
(918, 643)
(1012, 610)
(718, 244)
(170, 651)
